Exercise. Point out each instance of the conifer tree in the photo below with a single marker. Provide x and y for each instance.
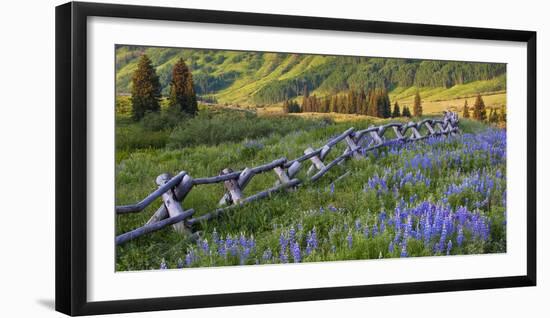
(305, 100)
(182, 92)
(502, 115)
(417, 107)
(479, 113)
(145, 89)
(465, 111)
(396, 111)
(406, 112)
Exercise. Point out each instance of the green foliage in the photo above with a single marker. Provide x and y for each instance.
(145, 89)
(268, 78)
(182, 92)
(466, 111)
(417, 107)
(396, 111)
(479, 113)
(406, 112)
(221, 126)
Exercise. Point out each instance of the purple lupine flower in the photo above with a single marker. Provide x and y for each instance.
(267, 255)
(332, 208)
(222, 251)
(366, 231)
(358, 225)
(374, 229)
(243, 257)
(163, 264)
(449, 247)
(295, 247)
(404, 249)
(180, 263)
(291, 233)
(460, 236)
(204, 246)
(390, 247)
(242, 241)
(350, 240)
(189, 258)
(332, 188)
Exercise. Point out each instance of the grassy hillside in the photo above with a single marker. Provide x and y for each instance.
(255, 78)
(354, 218)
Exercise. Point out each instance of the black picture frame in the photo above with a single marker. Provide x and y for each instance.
(71, 157)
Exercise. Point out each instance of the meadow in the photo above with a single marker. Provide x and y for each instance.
(442, 196)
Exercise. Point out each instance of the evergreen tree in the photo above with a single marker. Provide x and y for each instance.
(406, 112)
(479, 113)
(493, 118)
(466, 112)
(362, 103)
(373, 103)
(417, 107)
(305, 100)
(502, 115)
(145, 89)
(333, 104)
(396, 111)
(182, 93)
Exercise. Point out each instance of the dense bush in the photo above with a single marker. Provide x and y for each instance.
(212, 128)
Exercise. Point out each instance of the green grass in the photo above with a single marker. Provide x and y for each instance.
(264, 220)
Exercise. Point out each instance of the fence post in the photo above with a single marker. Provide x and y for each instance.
(232, 186)
(315, 160)
(172, 205)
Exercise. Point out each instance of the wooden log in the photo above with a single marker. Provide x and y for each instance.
(398, 133)
(429, 127)
(281, 174)
(269, 166)
(174, 208)
(324, 151)
(243, 180)
(151, 197)
(217, 179)
(317, 163)
(302, 158)
(376, 137)
(160, 214)
(293, 169)
(352, 146)
(334, 162)
(416, 133)
(152, 227)
(183, 188)
(232, 185)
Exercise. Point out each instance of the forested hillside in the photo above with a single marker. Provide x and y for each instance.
(268, 78)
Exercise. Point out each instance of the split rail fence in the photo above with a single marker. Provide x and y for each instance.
(174, 189)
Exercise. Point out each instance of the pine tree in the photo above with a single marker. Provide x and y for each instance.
(182, 92)
(479, 113)
(362, 103)
(396, 111)
(373, 103)
(417, 107)
(145, 89)
(305, 100)
(502, 115)
(406, 112)
(466, 112)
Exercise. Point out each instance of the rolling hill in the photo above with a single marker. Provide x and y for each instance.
(258, 78)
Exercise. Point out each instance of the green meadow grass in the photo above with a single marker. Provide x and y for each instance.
(245, 142)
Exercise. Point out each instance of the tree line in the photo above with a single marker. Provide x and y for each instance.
(146, 89)
(372, 102)
(479, 112)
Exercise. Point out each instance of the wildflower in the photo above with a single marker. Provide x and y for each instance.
(390, 247)
(357, 225)
(267, 255)
(460, 236)
(295, 247)
(449, 247)
(350, 240)
(180, 263)
(163, 264)
(332, 188)
(404, 250)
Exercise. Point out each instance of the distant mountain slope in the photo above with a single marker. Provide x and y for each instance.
(266, 78)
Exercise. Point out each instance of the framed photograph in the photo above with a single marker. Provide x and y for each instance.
(208, 158)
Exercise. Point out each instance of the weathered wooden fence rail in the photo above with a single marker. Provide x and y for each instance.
(174, 189)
